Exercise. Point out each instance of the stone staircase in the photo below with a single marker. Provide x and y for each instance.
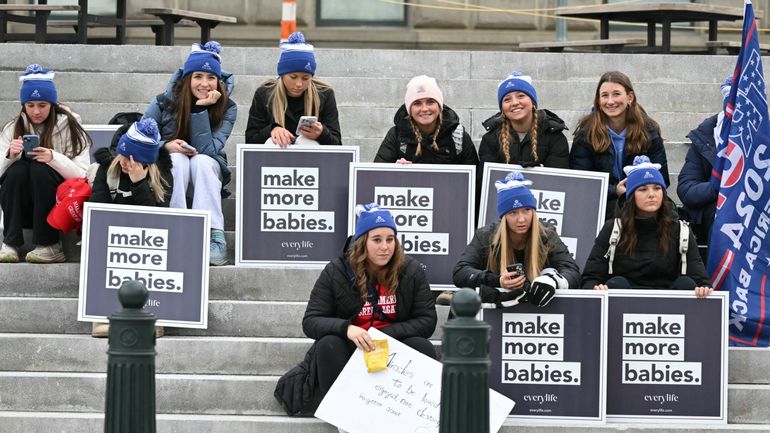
(52, 373)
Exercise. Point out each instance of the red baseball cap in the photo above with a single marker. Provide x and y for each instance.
(67, 214)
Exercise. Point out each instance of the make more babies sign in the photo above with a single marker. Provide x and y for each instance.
(292, 204)
(571, 201)
(551, 360)
(165, 249)
(433, 206)
(666, 356)
(404, 398)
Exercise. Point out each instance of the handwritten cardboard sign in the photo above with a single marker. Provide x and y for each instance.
(407, 394)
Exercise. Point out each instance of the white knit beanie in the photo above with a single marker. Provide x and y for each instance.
(423, 86)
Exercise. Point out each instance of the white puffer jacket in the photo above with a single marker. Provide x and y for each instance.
(62, 140)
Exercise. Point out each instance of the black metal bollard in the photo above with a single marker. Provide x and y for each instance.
(130, 401)
(465, 377)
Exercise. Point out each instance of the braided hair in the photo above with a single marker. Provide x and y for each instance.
(505, 136)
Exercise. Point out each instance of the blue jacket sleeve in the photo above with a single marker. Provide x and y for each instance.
(153, 111)
(205, 140)
(692, 188)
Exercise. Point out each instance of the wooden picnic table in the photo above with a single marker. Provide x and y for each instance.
(84, 20)
(39, 18)
(656, 13)
(171, 16)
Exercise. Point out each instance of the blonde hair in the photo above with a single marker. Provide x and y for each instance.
(501, 252)
(505, 137)
(387, 276)
(157, 183)
(278, 99)
(418, 134)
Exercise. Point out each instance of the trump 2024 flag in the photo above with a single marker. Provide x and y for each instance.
(738, 257)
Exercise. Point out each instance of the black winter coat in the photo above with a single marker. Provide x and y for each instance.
(584, 157)
(471, 269)
(552, 147)
(128, 192)
(454, 143)
(261, 121)
(648, 268)
(699, 198)
(335, 301)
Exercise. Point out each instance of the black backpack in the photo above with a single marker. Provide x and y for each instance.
(125, 119)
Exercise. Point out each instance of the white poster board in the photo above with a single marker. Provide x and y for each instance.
(407, 395)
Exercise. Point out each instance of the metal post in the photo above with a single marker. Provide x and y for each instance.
(465, 377)
(130, 401)
(561, 23)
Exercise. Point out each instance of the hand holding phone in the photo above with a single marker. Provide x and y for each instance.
(30, 143)
(188, 147)
(518, 268)
(305, 122)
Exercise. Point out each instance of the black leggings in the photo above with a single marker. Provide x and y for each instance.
(682, 283)
(27, 195)
(333, 352)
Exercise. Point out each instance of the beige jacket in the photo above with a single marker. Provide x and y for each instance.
(67, 168)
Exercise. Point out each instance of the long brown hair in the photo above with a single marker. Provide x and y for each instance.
(637, 120)
(505, 136)
(501, 252)
(278, 102)
(79, 139)
(418, 134)
(184, 100)
(387, 276)
(629, 237)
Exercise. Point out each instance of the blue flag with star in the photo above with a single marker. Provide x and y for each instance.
(739, 247)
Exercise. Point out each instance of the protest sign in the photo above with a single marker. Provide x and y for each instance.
(551, 360)
(571, 201)
(666, 356)
(166, 249)
(101, 137)
(292, 204)
(406, 397)
(433, 207)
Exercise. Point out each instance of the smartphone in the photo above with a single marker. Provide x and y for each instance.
(305, 121)
(188, 147)
(516, 267)
(30, 142)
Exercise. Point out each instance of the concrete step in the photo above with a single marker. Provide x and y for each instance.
(91, 422)
(237, 355)
(234, 395)
(226, 318)
(379, 62)
(175, 355)
(61, 280)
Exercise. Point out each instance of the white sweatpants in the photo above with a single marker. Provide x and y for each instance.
(202, 175)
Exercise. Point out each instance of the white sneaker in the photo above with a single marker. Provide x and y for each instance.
(46, 254)
(9, 254)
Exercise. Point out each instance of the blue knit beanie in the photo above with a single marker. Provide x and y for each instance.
(643, 172)
(296, 56)
(37, 85)
(142, 141)
(370, 217)
(204, 58)
(516, 82)
(512, 193)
